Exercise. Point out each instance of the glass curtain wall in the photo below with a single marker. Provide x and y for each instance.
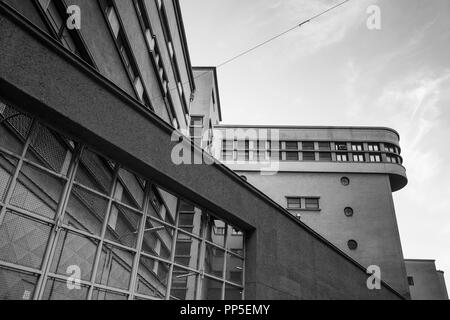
(76, 225)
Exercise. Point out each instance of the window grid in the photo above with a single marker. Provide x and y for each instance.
(60, 227)
(233, 150)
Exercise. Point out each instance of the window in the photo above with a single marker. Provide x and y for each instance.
(227, 145)
(324, 146)
(358, 157)
(262, 156)
(357, 147)
(227, 155)
(309, 156)
(308, 146)
(325, 156)
(125, 52)
(294, 203)
(55, 12)
(243, 144)
(390, 148)
(375, 158)
(352, 244)
(341, 146)
(374, 147)
(342, 157)
(197, 121)
(410, 281)
(178, 241)
(291, 145)
(291, 156)
(348, 212)
(196, 128)
(312, 203)
(243, 156)
(391, 159)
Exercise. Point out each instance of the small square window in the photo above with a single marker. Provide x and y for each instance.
(374, 147)
(294, 203)
(411, 281)
(308, 146)
(291, 145)
(342, 157)
(341, 146)
(375, 158)
(309, 156)
(312, 203)
(324, 146)
(291, 156)
(325, 156)
(358, 157)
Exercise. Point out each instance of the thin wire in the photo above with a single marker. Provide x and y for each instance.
(267, 41)
(283, 33)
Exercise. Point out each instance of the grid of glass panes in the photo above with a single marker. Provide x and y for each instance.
(75, 225)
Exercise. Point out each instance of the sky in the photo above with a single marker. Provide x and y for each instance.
(335, 71)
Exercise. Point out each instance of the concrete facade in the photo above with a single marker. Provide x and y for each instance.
(372, 223)
(425, 282)
(96, 106)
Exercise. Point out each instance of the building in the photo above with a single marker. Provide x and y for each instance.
(92, 202)
(337, 180)
(205, 109)
(425, 282)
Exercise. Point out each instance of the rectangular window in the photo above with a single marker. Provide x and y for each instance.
(391, 159)
(324, 146)
(312, 203)
(342, 157)
(55, 12)
(291, 156)
(262, 156)
(292, 145)
(309, 156)
(411, 281)
(341, 146)
(227, 155)
(374, 147)
(197, 121)
(390, 148)
(294, 203)
(243, 145)
(243, 156)
(113, 20)
(227, 145)
(358, 157)
(325, 156)
(357, 147)
(375, 158)
(308, 146)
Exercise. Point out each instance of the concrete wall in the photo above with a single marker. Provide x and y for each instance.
(429, 284)
(285, 259)
(373, 225)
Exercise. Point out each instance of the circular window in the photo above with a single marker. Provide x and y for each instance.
(352, 244)
(244, 178)
(348, 212)
(345, 181)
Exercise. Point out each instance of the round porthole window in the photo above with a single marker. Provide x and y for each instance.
(345, 181)
(352, 244)
(244, 178)
(348, 212)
